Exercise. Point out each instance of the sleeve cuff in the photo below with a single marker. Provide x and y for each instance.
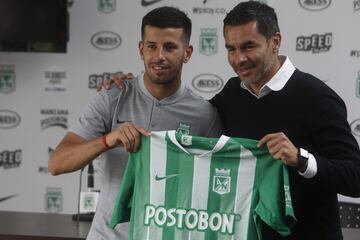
(311, 169)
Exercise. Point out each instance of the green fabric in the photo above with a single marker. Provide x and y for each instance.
(218, 195)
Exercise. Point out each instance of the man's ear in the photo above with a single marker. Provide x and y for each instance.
(141, 48)
(188, 52)
(276, 42)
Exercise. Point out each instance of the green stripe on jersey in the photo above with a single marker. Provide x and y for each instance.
(143, 197)
(178, 194)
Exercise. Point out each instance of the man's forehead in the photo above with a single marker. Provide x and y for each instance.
(163, 35)
(155, 28)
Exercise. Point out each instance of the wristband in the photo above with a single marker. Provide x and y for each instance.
(103, 140)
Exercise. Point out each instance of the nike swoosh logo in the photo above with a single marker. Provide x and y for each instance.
(8, 197)
(145, 3)
(157, 178)
(121, 122)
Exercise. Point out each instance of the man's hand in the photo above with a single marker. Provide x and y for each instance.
(117, 78)
(280, 147)
(127, 135)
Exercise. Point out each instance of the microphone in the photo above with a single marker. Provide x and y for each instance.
(87, 200)
(90, 178)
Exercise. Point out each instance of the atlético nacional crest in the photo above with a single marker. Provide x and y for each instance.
(106, 6)
(184, 128)
(208, 41)
(7, 78)
(89, 202)
(222, 181)
(53, 200)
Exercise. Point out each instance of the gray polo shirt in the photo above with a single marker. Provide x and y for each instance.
(183, 111)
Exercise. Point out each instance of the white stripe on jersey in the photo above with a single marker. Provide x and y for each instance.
(200, 188)
(246, 177)
(157, 167)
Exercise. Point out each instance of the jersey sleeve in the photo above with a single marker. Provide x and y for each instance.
(274, 207)
(122, 209)
(96, 118)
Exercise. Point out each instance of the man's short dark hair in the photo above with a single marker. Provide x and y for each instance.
(250, 11)
(167, 17)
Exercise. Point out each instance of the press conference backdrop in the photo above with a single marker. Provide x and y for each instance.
(42, 94)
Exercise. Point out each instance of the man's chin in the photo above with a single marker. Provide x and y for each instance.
(248, 81)
(245, 80)
(160, 81)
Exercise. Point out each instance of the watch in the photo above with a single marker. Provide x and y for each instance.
(303, 157)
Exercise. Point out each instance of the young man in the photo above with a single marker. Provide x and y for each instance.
(301, 120)
(157, 100)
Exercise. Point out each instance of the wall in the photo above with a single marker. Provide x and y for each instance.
(46, 92)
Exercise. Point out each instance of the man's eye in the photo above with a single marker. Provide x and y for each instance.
(170, 48)
(249, 47)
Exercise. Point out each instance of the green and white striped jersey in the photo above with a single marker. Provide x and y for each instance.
(195, 188)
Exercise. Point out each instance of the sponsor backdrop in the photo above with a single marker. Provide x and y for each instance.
(41, 94)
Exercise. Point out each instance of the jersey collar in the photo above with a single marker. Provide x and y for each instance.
(218, 146)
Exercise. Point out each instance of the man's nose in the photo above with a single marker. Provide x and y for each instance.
(240, 56)
(160, 53)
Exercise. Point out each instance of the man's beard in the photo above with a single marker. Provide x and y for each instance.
(263, 72)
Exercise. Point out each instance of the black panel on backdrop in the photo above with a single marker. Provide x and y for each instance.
(34, 25)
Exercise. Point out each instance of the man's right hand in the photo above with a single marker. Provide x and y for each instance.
(117, 78)
(127, 135)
